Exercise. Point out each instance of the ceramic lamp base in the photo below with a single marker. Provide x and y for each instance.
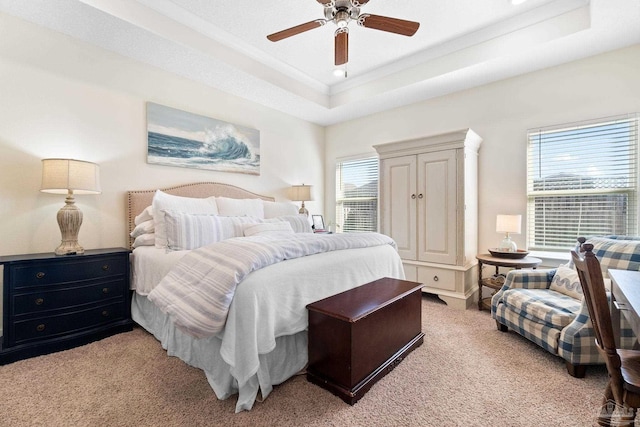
(69, 220)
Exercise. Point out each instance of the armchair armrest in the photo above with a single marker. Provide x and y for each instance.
(528, 279)
(523, 279)
(577, 339)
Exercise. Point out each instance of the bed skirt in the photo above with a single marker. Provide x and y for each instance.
(288, 358)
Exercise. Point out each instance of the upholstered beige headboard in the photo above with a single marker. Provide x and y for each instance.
(137, 201)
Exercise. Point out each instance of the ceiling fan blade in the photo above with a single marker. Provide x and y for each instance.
(296, 30)
(391, 25)
(327, 3)
(342, 46)
(358, 3)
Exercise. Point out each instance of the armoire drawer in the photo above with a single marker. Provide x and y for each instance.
(437, 278)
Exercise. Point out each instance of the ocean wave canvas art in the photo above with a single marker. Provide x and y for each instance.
(183, 139)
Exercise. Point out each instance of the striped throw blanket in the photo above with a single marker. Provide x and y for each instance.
(197, 292)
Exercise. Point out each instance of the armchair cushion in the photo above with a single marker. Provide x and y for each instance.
(542, 306)
(567, 282)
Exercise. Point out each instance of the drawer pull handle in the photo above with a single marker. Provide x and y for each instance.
(105, 290)
(39, 301)
(40, 327)
(436, 278)
(420, 196)
(105, 267)
(105, 313)
(620, 305)
(413, 196)
(40, 275)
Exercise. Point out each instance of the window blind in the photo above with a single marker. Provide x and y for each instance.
(582, 180)
(357, 194)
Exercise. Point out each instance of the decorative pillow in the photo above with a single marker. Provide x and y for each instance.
(163, 202)
(566, 281)
(299, 223)
(144, 240)
(270, 229)
(145, 227)
(275, 209)
(145, 215)
(191, 231)
(240, 207)
(616, 254)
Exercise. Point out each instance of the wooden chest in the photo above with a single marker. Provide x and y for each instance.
(356, 337)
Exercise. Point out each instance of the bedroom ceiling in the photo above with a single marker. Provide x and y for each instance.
(460, 44)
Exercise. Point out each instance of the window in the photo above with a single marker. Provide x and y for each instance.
(357, 194)
(582, 181)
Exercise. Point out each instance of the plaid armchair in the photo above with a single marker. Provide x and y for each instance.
(550, 311)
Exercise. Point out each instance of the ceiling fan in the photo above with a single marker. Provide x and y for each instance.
(341, 12)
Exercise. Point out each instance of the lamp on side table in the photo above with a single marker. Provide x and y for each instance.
(69, 176)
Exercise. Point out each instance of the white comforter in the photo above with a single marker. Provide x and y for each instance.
(268, 308)
(198, 290)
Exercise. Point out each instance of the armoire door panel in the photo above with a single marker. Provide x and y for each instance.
(437, 197)
(399, 211)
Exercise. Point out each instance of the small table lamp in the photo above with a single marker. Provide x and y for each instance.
(301, 193)
(68, 176)
(508, 224)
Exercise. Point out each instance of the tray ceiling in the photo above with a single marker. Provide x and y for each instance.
(460, 44)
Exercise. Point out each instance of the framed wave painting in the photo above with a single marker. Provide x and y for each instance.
(179, 138)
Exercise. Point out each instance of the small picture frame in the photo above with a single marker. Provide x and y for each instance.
(318, 222)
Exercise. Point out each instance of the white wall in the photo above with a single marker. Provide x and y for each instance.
(501, 113)
(63, 98)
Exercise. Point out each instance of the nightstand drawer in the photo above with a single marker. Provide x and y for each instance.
(64, 271)
(50, 326)
(68, 296)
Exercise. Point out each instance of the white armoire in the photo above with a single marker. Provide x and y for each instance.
(429, 206)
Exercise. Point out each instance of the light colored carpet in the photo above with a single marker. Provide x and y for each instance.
(466, 373)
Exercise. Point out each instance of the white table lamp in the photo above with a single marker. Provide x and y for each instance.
(301, 193)
(508, 224)
(68, 176)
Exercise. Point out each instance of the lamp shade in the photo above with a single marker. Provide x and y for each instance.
(61, 175)
(509, 224)
(300, 193)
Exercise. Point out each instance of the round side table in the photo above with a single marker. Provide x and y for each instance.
(496, 281)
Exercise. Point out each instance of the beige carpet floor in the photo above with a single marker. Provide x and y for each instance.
(466, 373)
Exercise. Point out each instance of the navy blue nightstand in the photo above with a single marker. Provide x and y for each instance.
(56, 302)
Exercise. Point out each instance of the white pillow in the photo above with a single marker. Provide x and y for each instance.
(275, 209)
(143, 216)
(240, 207)
(299, 223)
(191, 231)
(145, 227)
(566, 281)
(270, 229)
(163, 201)
(144, 240)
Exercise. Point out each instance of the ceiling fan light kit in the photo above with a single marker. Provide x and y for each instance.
(341, 12)
(340, 72)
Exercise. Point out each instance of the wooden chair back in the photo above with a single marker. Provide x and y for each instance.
(595, 295)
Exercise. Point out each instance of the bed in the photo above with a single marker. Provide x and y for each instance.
(264, 339)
